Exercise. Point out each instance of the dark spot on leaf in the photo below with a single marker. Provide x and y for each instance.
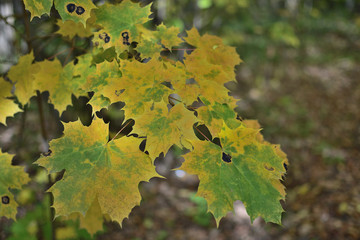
(125, 36)
(5, 200)
(70, 7)
(96, 43)
(285, 166)
(76, 61)
(48, 153)
(226, 158)
(80, 10)
(107, 39)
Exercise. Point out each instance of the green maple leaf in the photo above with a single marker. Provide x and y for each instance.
(7, 106)
(11, 177)
(121, 24)
(249, 171)
(96, 169)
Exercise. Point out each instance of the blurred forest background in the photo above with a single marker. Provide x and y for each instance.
(300, 79)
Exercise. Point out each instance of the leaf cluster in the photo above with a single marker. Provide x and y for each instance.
(167, 101)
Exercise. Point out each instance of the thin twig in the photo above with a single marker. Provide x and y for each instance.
(27, 28)
(57, 54)
(41, 114)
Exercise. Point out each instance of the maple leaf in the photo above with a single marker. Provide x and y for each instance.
(11, 177)
(168, 36)
(214, 115)
(140, 84)
(38, 7)
(97, 169)
(7, 106)
(245, 168)
(190, 92)
(211, 60)
(61, 84)
(50, 76)
(164, 128)
(92, 221)
(74, 10)
(151, 42)
(22, 74)
(120, 24)
(70, 29)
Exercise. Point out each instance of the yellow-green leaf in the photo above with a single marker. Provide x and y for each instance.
(95, 169)
(11, 177)
(7, 106)
(165, 128)
(245, 168)
(120, 24)
(22, 75)
(214, 115)
(211, 60)
(70, 29)
(75, 10)
(38, 7)
(140, 84)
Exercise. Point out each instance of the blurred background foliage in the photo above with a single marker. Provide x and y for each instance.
(300, 78)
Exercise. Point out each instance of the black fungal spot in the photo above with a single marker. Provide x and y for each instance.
(76, 61)
(70, 7)
(226, 158)
(5, 200)
(80, 10)
(107, 39)
(125, 36)
(48, 153)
